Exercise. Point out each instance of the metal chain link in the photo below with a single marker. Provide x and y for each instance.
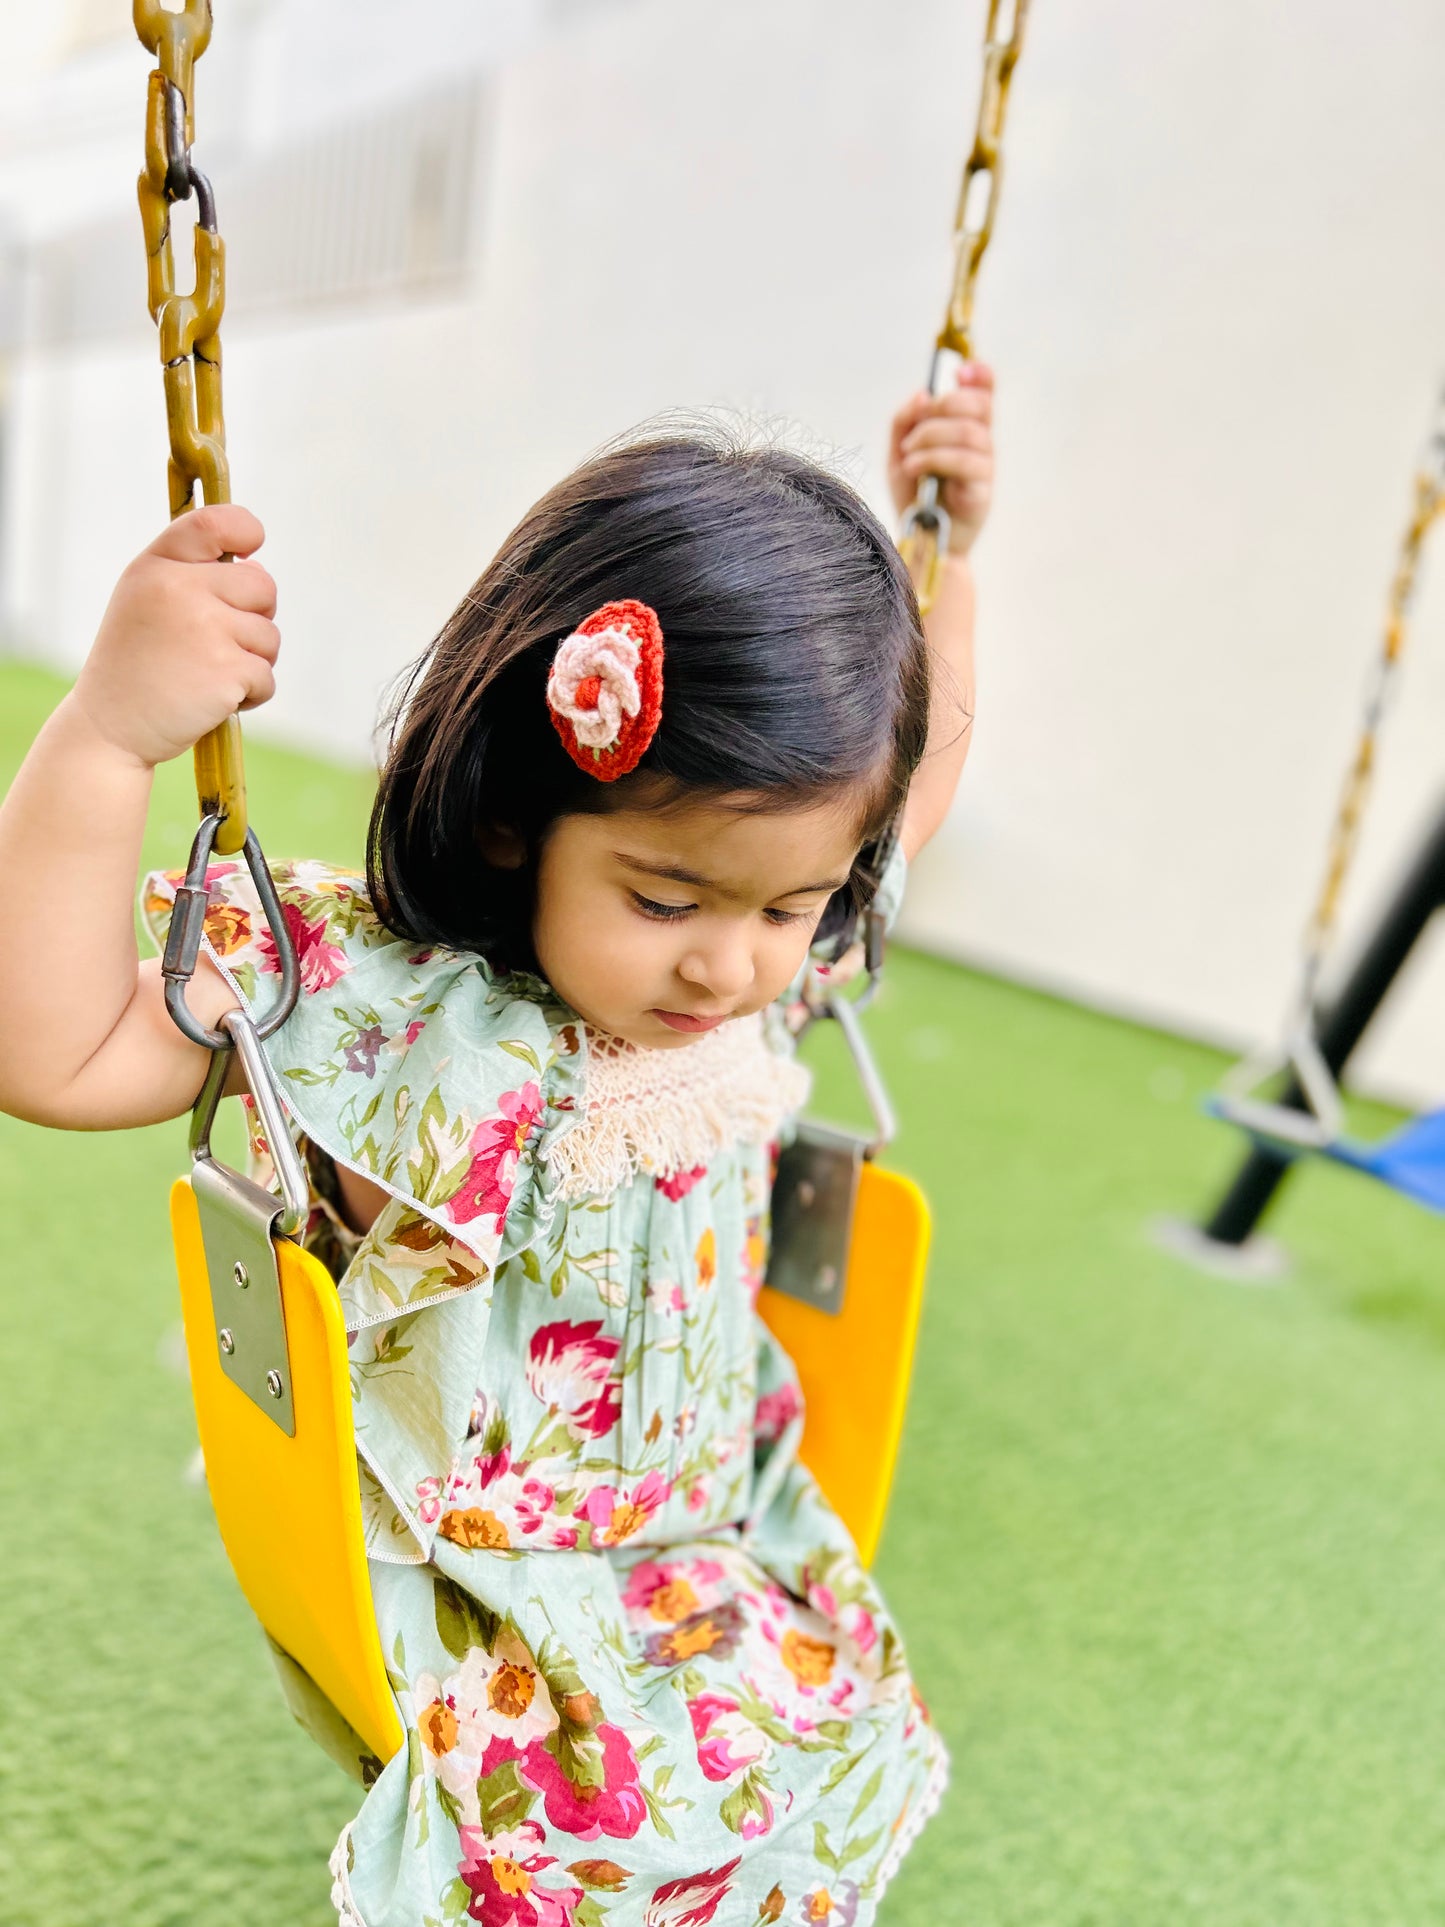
(926, 525)
(1427, 507)
(190, 342)
(188, 326)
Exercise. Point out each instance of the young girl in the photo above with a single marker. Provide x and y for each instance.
(537, 1068)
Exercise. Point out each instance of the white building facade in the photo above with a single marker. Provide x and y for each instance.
(467, 244)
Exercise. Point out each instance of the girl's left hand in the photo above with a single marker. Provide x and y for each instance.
(950, 436)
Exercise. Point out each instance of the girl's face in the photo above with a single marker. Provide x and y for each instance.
(658, 925)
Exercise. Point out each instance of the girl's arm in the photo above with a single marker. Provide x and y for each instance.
(85, 1041)
(950, 436)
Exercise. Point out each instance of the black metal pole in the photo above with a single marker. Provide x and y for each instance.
(1341, 1025)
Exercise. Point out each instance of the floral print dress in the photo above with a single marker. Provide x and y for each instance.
(644, 1678)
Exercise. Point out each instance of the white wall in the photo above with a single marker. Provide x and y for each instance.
(1217, 305)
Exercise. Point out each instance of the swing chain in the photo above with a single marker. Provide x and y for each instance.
(926, 524)
(1427, 506)
(188, 326)
(1317, 1120)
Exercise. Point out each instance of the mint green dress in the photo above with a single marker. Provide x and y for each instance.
(644, 1677)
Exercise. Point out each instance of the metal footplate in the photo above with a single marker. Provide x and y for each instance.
(813, 1198)
(816, 1187)
(240, 1222)
(238, 1219)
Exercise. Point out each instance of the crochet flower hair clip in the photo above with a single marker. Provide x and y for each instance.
(605, 689)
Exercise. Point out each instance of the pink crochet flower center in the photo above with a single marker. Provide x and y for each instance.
(594, 684)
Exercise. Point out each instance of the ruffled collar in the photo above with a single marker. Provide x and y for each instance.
(659, 1113)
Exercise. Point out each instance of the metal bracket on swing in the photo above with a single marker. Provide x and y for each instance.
(1311, 1127)
(240, 1222)
(816, 1187)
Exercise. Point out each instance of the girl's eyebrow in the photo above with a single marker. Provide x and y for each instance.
(674, 873)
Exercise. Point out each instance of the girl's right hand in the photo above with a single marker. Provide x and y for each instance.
(187, 638)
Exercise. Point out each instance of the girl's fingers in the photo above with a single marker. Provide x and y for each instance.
(975, 374)
(257, 679)
(950, 464)
(948, 431)
(242, 585)
(916, 409)
(206, 534)
(257, 636)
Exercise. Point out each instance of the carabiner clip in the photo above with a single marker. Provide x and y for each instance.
(188, 928)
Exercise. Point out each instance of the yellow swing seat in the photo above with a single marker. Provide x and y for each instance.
(287, 1502)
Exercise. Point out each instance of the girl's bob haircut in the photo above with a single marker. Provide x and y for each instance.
(795, 670)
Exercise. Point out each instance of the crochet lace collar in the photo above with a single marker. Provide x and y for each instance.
(663, 1112)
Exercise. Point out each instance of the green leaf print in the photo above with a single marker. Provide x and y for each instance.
(531, 1265)
(524, 1051)
(579, 1753)
(589, 1912)
(822, 1852)
(867, 1796)
(456, 1902)
(463, 1622)
(747, 1797)
(600, 1876)
(503, 1801)
(856, 1849)
(661, 1823)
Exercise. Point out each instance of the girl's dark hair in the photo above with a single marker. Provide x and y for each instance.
(794, 668)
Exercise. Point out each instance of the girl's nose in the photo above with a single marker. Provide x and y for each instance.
(723, 968)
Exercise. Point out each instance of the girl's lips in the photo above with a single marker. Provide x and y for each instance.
(676, 1020)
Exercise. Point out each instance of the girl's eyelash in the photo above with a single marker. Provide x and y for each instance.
(670, 912)
(662, 912)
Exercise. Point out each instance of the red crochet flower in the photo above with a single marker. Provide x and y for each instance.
(605, 689)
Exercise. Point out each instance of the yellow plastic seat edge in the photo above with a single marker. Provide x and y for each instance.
(289, 1509)
(855, 1367)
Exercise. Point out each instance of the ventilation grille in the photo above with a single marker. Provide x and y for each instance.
(372, 210)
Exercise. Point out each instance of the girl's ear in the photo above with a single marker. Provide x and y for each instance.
(502, 846)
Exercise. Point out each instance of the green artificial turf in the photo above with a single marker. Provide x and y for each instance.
(1168, 1551)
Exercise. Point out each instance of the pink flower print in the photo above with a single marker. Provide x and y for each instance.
(362, 1055)
(414, 1029)
(677, 1184)
(775, 1413)
(697, 1494)
(690, 1902)
(503, 1876)
(727, 1742)
(665, 1590)
(429, 1503)
(570, 1368)
(665, 1297)
(864, 1628)
(615, 1516)
(496, 1146)
(322, 964)
(616, 1807)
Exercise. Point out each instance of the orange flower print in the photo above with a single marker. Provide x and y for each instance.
(672, 1601)
(474, 1526)
(510, 1690)
(705, 1258)
(438, 1727)
(686, 1642)
(809, 1660)
(772, 1907)
(615, 1516)
(228, 928)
